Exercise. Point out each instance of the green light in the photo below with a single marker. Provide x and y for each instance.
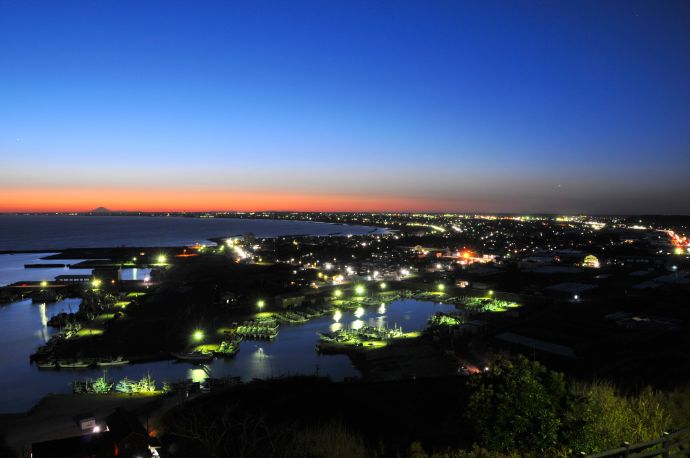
(337, 293)
(383, 285)
(95, 283)
(44, 283)
(359, 290)
(162, 259)
(198, 335)
(491, 292)
(260, 303)
(134, 259)
(441, 287)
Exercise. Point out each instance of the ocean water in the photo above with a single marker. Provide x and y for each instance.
(52, 232)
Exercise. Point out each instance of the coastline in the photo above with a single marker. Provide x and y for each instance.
(360, 230)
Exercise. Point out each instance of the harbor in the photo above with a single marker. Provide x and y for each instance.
(291, 351)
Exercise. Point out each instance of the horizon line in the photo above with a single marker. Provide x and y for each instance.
(343, 212)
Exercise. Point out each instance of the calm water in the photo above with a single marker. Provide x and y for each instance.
(59, 232)
(12, 269)
(23, 329)
(23, 324)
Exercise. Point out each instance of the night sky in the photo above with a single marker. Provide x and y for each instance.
(484, 106)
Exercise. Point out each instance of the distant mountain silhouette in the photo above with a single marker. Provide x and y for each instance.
(100, 210)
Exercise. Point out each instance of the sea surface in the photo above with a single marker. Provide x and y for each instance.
(53, 232)
(23, 327)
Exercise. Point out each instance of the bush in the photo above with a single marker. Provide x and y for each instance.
(331, 440)
(609, 418)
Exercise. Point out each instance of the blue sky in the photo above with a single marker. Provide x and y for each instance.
(492, 106)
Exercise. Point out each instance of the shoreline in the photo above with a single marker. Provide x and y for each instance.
(372, 230)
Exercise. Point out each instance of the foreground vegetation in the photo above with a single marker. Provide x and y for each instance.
(518, 409)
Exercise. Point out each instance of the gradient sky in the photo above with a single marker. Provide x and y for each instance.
(329, 105)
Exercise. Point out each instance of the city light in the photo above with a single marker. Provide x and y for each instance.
(359, 290)
(162, 259)
(260, 303)
(383, 285)
(441, 287)
(44, 283)
(337, 293)
(95, 283)
(198, 335)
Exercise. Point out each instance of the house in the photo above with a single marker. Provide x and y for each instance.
(122, 436)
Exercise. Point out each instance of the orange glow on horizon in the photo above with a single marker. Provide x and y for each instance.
(198, 200)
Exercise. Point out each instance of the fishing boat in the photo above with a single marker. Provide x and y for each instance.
(47, 365)
(265, 329)
(227, 349)
(119, 361)
(73, 364)
(194, 356)
(367, 337)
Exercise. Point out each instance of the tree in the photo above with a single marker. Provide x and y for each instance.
(221, 430)
(519, 405)
(101, 385)
(147, 384)
(125, 386)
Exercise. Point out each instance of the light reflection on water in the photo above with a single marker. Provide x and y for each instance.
(197, 374)
(261, 362)
(135, 273)
(378, 322)
(24, 328)
(357, 324)
(43, 332)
